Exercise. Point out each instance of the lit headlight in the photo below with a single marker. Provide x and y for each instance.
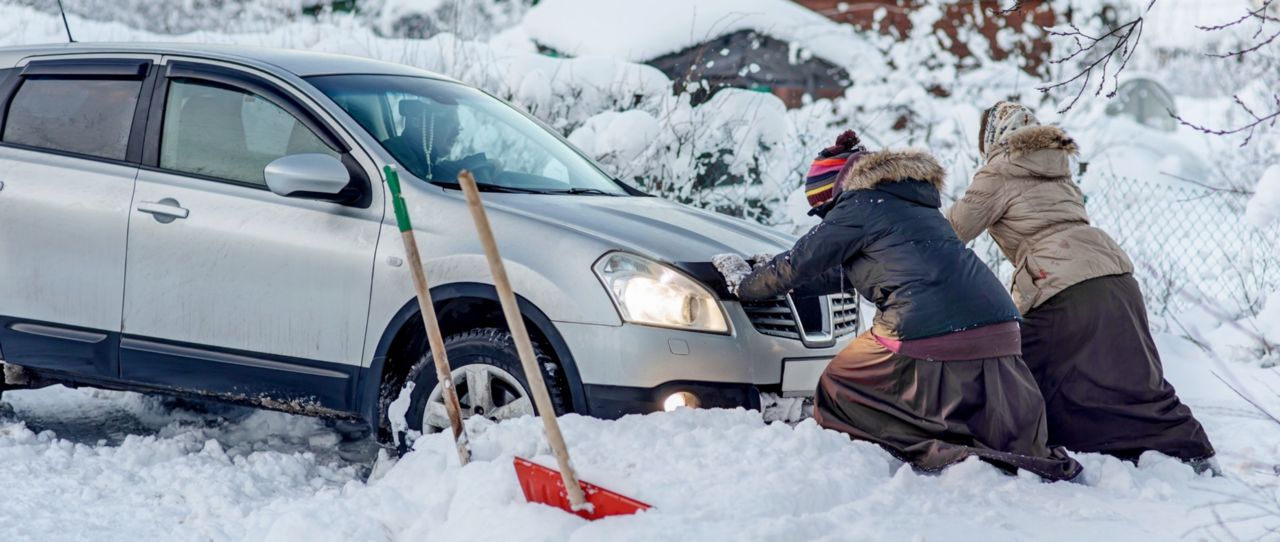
(647, 292)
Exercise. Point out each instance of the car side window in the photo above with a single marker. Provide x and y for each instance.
(77, 115)
(228, 133)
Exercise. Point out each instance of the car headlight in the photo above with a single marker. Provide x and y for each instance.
(647, 292)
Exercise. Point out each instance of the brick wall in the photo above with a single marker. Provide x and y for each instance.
(985, 16)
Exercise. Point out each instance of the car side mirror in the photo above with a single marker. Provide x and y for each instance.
(310, 175)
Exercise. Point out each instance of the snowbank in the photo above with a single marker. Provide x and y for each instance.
(641, 31)
(710, 475)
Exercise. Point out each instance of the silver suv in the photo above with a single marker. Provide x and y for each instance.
(206, 220)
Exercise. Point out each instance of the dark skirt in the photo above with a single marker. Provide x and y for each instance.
(935, 413)
(1092, 355)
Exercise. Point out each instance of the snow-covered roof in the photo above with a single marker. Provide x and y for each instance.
(641, 31)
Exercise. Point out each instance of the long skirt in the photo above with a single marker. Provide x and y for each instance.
(935, 413)
(1093, 358)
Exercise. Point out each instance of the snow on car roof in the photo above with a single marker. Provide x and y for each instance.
(641, 31)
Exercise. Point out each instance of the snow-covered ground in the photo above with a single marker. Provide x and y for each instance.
(93, 465)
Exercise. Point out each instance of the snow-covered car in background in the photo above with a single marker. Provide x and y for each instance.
(212, 221)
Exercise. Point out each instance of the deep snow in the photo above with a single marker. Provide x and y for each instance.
(94, 465)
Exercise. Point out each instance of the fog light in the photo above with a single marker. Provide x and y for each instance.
(680, 399)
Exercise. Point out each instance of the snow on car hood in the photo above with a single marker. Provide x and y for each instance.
(648, 226)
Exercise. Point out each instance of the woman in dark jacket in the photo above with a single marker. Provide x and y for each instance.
(939, 376)
(1084, 333)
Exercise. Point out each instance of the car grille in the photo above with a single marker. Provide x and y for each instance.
(775, 316)
(844, 314)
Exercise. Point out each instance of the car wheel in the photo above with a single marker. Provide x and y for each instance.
(488, 378)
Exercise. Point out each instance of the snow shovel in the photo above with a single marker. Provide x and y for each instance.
(435, 340)
(541, 484)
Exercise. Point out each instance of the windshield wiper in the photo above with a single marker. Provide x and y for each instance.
(490, 187)
(578, 191)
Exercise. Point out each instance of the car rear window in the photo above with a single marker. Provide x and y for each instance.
(83, 116)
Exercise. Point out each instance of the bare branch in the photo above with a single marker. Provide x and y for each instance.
(1016, 7)
(1259, 15)
(1121, 41)
(1248, 129)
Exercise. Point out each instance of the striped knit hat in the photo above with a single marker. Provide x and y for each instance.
(820, 185)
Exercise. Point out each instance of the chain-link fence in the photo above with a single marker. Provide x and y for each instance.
(1183, 236)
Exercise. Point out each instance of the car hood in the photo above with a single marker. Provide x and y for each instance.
(647, 225)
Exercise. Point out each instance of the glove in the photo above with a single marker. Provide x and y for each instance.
(734, 269)
(760, 260)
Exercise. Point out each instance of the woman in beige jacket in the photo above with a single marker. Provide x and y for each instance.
(1084, 332)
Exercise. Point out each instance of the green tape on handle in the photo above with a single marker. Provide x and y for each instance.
(397, 201)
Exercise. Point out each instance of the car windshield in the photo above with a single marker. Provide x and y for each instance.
(436, 129)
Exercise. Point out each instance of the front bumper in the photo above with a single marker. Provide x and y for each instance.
(612, 402)
(631, 368)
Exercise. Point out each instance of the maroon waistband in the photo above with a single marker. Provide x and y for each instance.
(992, 341)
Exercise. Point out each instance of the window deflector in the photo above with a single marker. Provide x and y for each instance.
(254, 85)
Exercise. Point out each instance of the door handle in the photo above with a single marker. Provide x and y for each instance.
(165, 211)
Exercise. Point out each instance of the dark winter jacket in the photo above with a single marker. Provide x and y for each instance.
(886, 236)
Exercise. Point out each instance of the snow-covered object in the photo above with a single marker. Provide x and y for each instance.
(739, 153)
(641, 31)
(1264, 206)
(180, 16)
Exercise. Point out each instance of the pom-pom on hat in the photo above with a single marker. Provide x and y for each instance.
(821, 183)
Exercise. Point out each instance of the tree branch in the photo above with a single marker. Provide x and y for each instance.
(1248, 129)
(1121, 41)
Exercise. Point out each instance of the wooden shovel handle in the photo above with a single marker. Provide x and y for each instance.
(444, 375)
(520, 335)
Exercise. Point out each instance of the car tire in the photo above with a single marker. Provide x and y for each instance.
(478, 357)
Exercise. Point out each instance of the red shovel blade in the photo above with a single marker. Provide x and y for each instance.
(545, 486)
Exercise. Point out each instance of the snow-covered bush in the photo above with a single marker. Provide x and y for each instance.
(176, 17)
(735, 153)
(468, 19)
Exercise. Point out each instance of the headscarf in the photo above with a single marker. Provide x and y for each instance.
(999, 121)
(820, 185)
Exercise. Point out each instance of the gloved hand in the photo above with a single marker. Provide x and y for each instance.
(734, 269)
(760, 259)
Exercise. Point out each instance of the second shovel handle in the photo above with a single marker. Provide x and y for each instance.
(528, 360)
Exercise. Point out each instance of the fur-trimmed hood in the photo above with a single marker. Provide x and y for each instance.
(1037, 138)
(891, 166)
(1038, 152)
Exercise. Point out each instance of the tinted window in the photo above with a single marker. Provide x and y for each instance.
(84, 116)
(228, 133)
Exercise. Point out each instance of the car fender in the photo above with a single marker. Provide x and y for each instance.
(371, 378)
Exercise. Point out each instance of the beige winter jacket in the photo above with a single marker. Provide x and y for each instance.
(1025, 196)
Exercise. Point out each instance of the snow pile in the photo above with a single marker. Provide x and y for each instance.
(1253, 339)
(81, 465)
(641, 31)
(1264, 207)
(710, 475)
